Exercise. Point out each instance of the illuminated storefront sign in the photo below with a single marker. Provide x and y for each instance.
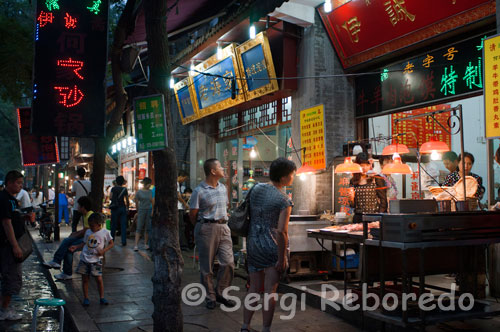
(312, 136)
(150, 123)
(186, 103)
(491, 87)
(212, 82)
(257, 66)
(70, 67)
(365, 29)
(35, 150)
(440, 75)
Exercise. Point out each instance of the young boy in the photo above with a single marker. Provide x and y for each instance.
(96, 242)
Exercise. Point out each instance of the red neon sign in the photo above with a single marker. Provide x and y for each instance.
(70, 22)
(77, 65)
(70, 96)
(45, 18)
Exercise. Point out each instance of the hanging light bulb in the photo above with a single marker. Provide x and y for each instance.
(327, 7)
(172, 83)
(219, 51)
(434, 145)
(348, 166)
(302, 177)
(397, 167)
(435, 155)
(252, 31)
(253, 154)
(191, 68)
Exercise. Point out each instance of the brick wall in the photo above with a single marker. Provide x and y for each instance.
(316, 57)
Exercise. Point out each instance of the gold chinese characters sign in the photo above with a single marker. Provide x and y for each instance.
(212, 82)
(491, 56)
(257, 67)
(312, 136)
(184, 94)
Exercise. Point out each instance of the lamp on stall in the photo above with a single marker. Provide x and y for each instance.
(305, 169)
(219, 51)
(253, 154)
(327, 6)
(348, 166)
(434, 146)
(397, 166)
(395, 148)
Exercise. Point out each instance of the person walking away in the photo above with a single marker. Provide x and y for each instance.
(267, 241)
(208, 209)
(119, 207)
(24, 201)
(12, 228)
(96, 243)
(80, 188)
(63, 207)
(181, 209)
(63, 253)
(144, 202)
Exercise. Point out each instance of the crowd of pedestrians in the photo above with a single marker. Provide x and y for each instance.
(205, 209)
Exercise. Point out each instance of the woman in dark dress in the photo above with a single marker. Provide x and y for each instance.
(369, 191)
(267, 241)
(453, 177)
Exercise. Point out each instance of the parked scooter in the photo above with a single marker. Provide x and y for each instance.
(46, 222)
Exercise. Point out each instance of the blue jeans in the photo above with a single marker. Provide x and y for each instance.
(119, 217)
(63, 253)
(63, 210)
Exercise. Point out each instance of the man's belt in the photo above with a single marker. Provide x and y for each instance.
(213, 221)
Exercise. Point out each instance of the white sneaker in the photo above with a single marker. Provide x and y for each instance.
(63, 276)
(9, 314)
(52, 264)
(136, 248)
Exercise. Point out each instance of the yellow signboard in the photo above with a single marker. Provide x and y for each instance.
(491, 56)
(312, 136)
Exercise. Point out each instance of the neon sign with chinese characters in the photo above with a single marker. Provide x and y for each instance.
(70, 67)
(439, 75)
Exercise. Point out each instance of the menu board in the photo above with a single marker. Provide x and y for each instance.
(421, 129)
(312, 136)
(150, 123)
(70, 67)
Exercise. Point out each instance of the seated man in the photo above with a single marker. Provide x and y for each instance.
(75, 238)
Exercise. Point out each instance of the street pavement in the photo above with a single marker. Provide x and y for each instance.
(128, 287)
(35, 285)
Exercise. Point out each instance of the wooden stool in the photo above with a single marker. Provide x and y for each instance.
(53, 302)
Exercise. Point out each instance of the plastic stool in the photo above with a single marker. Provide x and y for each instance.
(53, 302)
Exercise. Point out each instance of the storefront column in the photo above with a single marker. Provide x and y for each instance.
(317, 57)
(202, 135)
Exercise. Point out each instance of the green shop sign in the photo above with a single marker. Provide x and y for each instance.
(150, 123)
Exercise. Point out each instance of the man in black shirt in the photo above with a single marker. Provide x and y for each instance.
(11, 225)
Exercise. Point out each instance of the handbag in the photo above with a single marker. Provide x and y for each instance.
(26, 245)
(239, 221)
(114, 203)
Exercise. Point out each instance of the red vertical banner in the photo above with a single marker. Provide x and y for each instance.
(35, 150)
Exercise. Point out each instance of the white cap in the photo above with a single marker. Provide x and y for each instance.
(356, 150)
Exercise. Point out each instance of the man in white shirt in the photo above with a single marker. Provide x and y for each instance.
(80, 188)
(24, 200)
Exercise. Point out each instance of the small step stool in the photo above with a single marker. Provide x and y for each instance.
(53, 302)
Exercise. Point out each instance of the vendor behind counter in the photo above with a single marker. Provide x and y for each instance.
(369, 190)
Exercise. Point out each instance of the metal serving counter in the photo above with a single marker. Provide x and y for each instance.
(420, 244)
